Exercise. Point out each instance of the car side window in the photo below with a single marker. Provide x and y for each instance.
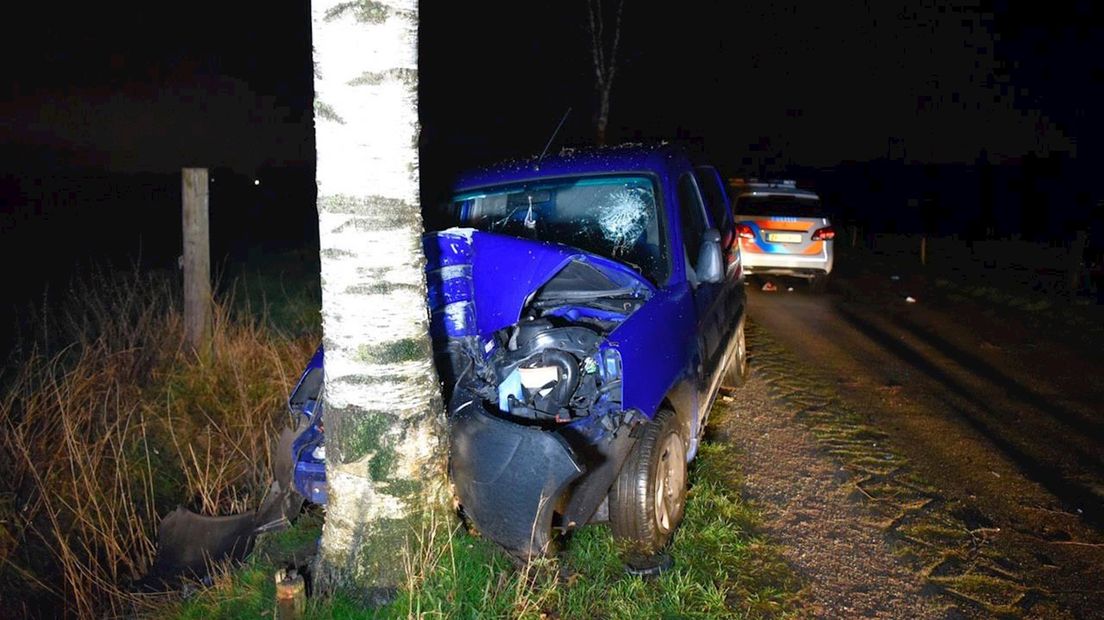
(714, 197)
(692, 217)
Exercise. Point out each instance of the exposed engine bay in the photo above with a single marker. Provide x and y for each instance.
(551, 366)
(547, 373)
(532, 379)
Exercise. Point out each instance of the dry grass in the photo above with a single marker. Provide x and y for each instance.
(102, 437)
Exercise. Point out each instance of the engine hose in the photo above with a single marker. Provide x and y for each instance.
(569, 375)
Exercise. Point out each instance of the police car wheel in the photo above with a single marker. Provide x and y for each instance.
(819, 283)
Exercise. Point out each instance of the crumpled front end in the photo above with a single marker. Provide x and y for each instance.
(538, 432)
(519, 483)
(508, 477)
(520, 334)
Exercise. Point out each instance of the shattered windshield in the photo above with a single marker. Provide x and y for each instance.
(615, 217)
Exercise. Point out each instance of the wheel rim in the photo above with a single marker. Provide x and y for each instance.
(669, 482)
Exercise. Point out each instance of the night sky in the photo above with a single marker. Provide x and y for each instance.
(131, 89)
(873, 103)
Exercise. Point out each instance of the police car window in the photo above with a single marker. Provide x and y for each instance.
(779, 206)
(692, 215)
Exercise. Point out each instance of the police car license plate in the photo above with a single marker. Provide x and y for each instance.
(784, 237)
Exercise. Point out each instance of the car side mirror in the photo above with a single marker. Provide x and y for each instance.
(710, 264)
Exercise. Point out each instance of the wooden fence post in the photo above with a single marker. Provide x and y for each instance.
(197, 259)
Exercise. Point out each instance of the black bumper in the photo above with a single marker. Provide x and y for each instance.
(509, 477)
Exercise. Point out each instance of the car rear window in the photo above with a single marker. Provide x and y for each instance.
(777, 205)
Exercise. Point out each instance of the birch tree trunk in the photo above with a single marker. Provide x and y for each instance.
(385, 430)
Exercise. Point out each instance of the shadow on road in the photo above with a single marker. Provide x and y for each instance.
(1070, 492)
(979, 367)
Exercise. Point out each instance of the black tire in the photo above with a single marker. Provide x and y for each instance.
(819, 283)
(737, 372)
(656, 467)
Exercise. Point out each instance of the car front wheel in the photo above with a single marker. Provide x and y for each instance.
(648, 499)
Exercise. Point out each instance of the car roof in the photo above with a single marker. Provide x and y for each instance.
(635, 157)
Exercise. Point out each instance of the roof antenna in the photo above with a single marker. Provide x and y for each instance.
(536, 166)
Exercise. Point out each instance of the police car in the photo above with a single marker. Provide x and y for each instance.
(783, 230)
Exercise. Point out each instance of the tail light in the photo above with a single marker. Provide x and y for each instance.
(824, 234)
(744, 231)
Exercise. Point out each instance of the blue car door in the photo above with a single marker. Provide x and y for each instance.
(708, 299)
(719, 209)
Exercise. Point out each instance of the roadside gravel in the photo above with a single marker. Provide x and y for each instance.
(808, 508)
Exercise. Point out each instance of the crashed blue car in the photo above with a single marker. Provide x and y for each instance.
(586, 309)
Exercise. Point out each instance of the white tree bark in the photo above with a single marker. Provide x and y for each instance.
(384, 421)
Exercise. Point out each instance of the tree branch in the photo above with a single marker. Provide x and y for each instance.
(595, 43)
(616, 39)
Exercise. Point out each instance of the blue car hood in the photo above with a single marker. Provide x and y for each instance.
(479, 282)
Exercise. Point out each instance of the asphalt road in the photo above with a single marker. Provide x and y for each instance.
(986, 406)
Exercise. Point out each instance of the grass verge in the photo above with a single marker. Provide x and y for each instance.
(722, 569)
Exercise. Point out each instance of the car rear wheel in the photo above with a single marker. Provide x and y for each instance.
(737, 372)
(648, 499)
